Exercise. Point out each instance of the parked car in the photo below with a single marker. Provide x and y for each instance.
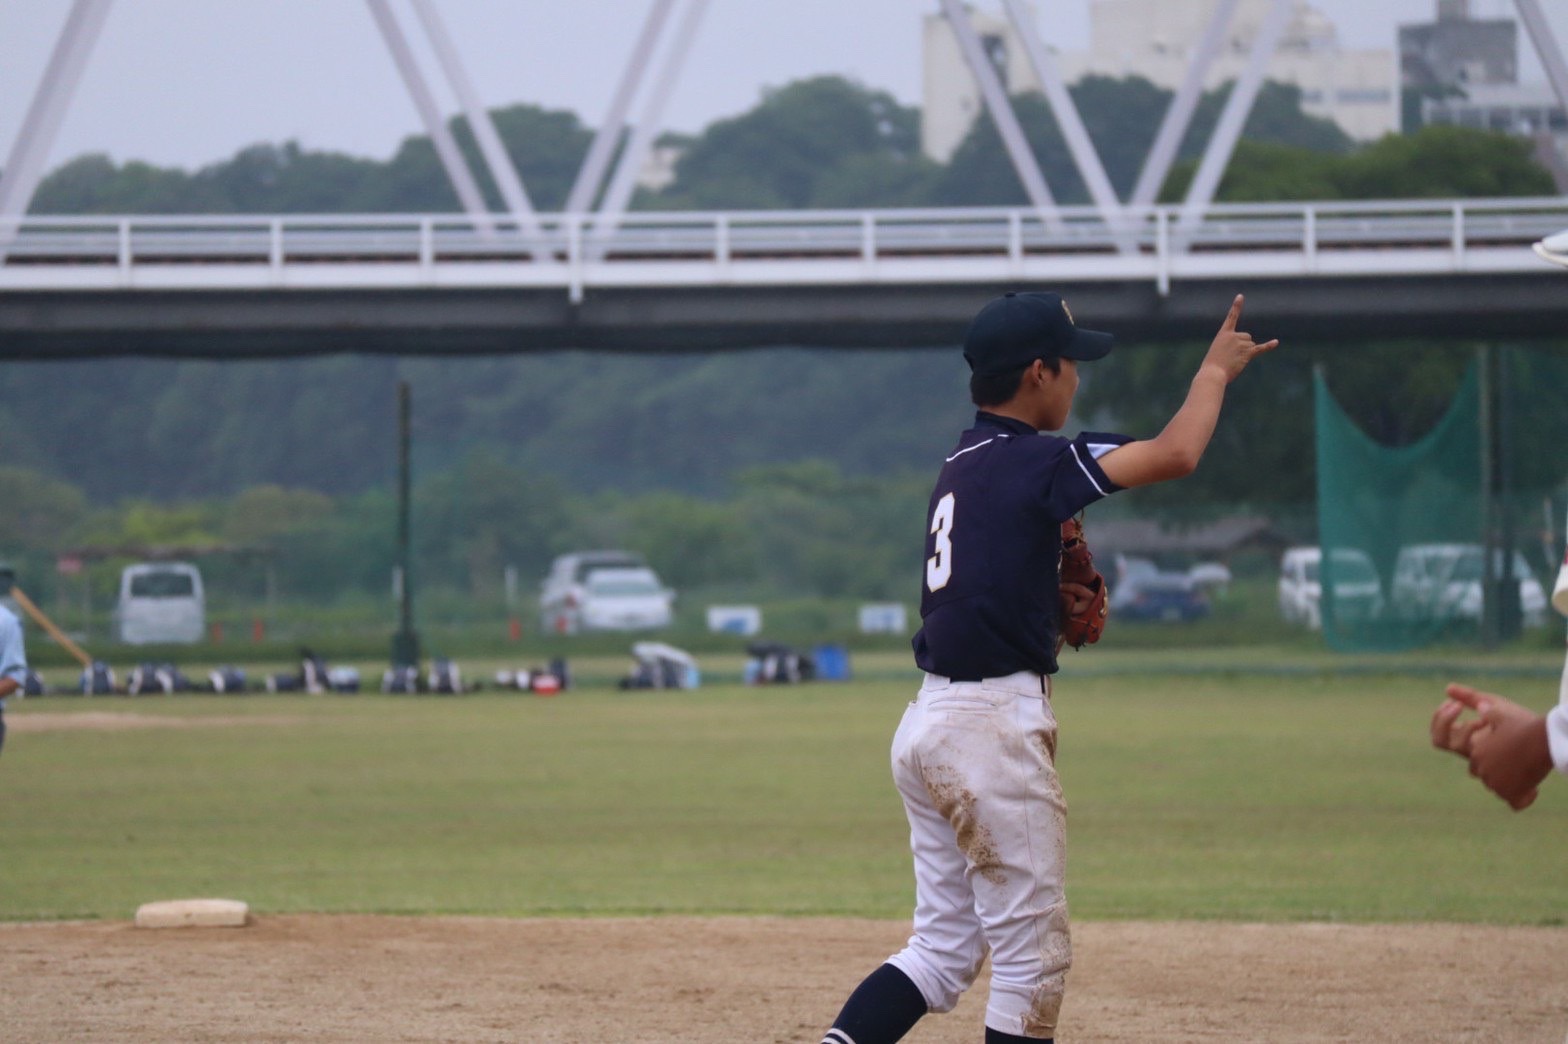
(1443, 582)
(625, 600)
(561, 592)
(1140, 590)
(160, 602)
(603, 591)
(1358, 592)
(1211, 576)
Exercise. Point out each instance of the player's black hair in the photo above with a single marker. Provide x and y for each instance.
(998, 388)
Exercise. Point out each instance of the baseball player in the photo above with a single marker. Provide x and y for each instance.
(974, 757)
(1510, 748)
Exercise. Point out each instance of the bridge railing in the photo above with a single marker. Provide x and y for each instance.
(578, 250)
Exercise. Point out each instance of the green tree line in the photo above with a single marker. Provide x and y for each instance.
(831, 142)
(789, 473)
(788, 530)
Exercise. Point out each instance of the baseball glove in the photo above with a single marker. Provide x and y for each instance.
(1085, 626)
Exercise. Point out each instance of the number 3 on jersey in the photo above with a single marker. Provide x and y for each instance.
(939, 567)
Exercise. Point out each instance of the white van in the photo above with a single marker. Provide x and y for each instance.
(160, 602)
(1358, 593)
(1443, 582)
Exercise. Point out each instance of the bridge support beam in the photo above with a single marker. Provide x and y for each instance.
(1084, 154)
(1173, 127)
(1002, 114)
(590, 177)
(24, 167)
(1547, 47)
(1216, 157)
(623, 182)
(457, 172)
(502, 170)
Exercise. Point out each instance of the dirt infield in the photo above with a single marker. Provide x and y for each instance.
(729, 980)
(116, 721)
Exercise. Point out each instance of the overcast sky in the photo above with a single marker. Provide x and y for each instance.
(188, 82)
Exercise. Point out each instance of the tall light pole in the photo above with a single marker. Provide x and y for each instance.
(405, 643)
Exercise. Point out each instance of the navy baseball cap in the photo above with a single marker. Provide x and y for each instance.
(1017, 328)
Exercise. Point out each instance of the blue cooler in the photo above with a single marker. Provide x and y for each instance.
(832, 662)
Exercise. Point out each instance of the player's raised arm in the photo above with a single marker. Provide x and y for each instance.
(1175, 452)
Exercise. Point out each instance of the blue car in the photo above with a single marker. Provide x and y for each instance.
(1142, 592)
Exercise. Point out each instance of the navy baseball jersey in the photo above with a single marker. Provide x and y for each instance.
(989, 602)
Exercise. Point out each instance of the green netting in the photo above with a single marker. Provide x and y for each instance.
(1418, 541)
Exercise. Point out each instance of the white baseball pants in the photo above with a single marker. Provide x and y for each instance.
(975, 765)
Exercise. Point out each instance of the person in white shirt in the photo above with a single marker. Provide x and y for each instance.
(13, 661)
(1511, 748)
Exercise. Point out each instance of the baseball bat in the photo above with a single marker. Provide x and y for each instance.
(48, 625)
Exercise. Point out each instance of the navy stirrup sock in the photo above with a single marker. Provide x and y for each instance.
(882, 1009)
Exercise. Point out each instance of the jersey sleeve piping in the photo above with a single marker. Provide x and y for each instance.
(1087, 450)
(1095, 482)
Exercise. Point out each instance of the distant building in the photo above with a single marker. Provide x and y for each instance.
(1155, 39)
(1457, 49)
(952, 96)
(1525, 109)
(1465, 72)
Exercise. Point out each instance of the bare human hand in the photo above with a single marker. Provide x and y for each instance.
(1176, 450)
(1507, 745)
(1448, 732)
(1233, 349)
(1082, 596)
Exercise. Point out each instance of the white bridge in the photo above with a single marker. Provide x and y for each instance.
(601, 276)
(578, 253)
(253, 285)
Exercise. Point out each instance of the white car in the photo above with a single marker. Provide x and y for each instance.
(603, 591)
(625, 600)
(1358, 593)
(1443, 582)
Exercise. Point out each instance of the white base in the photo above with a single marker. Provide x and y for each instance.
(193, 913)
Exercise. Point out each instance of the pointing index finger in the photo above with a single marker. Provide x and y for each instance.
(1233, 315)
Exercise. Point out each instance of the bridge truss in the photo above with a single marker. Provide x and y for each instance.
(598, 275)
(659, 53)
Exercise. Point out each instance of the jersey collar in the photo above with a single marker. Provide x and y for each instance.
(995, 420)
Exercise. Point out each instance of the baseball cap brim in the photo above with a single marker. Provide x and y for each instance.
(1088, 345)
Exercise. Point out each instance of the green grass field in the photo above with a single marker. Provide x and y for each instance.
(1259, 794)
